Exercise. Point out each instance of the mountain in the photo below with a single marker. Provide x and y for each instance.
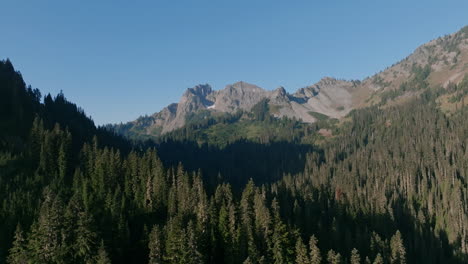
(329, 96)
(440, 62)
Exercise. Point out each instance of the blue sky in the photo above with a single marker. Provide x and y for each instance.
(121, 59)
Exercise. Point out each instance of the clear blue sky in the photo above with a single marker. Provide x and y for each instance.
(121, 59)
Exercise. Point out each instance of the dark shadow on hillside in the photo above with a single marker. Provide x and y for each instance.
(237, 162)
(336, 228)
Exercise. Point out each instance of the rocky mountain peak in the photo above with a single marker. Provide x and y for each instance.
(327, 81)
(244, 86)
(279, 97)
(280, 91)
(201, 90)
(240, 95)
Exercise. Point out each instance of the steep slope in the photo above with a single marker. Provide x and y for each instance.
(440, 62)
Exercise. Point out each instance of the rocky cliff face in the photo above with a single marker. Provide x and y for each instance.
(240, 95)
(446, 58)
(329, 96)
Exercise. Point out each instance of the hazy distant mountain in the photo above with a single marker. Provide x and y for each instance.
(440, 62)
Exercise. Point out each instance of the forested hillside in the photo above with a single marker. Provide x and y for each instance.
(388, 184)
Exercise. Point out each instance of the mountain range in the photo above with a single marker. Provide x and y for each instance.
(439, 62)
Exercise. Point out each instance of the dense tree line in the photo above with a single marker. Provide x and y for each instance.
(391, 187)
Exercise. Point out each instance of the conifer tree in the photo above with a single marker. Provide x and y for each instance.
(102, 257)
(333, 257)
(315, 256)
(155, 246)
(397, 248)
(84, 245)
(47, 240)
(301, 252)
(18, 252)
(378, 259)
(192, 255)
(282, 251)
(355, 257)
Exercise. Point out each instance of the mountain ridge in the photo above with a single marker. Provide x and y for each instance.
(444, 59)
(243, 96)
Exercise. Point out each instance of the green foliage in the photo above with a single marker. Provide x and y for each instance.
(398, 251)
(378, 259)
(355, 258)
(261, 110)
(47, 242)
(340, 108)
(102, 257)
(315, 255)
(417, 82)
(460, 90)
(258, 126)
(301, 252)
(155, 246)
(392, 94)
(18, 253)
(333, 257)
(378, 80)
(318, 116)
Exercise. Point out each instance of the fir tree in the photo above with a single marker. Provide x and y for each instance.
(315, 256)
(355, 257)
(333, 257)
(301, 253)
(378, 259)
(18, 252)
(155, 246)
(102, 257)
(398, 252)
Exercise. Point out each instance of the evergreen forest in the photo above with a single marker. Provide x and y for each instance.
(389, 186)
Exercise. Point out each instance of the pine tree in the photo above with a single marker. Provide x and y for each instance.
(47, 241)
(397, 248)
(155, 246)
(175, 245)
(18, 252)
(102, 257)
(247, 247)
(262, 220)
(333, 258)
(63, 155)
(282, 251)
(355, 258)
(84, 245)
(301, 252)
(378, 259)
(192, 255)
(315, 256)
